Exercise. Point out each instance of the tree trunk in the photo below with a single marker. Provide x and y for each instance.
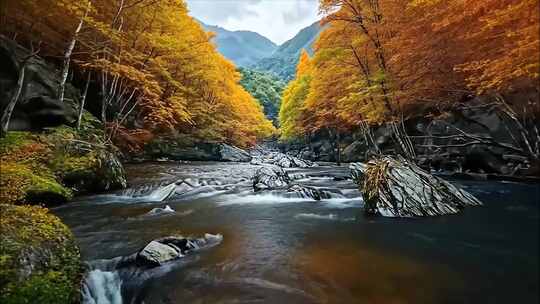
(67, 56)
(6, 116)
(83, 100)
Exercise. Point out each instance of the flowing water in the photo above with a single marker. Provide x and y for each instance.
(280, 249)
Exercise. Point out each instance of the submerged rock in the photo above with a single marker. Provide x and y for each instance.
(398, 188)
(270, 178)
(309, 192)
(158, 211)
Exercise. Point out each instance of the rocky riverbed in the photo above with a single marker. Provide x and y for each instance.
(283, 246)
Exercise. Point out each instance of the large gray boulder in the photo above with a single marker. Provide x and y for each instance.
(270, 178)
(166, 249)
(38, 106)
(357, 171)
(233, 154)
(156, 253)
(354, 152)
(399, 188)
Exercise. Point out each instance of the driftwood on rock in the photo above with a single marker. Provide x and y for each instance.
(399, 188)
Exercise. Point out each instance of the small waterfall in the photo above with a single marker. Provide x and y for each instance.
(102, 287)
(151, 192)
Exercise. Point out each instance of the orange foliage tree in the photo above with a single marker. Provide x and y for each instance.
(153, 65)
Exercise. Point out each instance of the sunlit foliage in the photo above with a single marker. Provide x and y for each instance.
(154, 66)
(382, 61)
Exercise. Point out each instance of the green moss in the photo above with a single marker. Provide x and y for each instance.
(20, 183)
(65, 164)
(48, 167)
(14, 140)
(33, 237)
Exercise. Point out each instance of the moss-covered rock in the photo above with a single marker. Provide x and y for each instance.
(48, 168)
(26, 177)
(39, 259)
(98, 170)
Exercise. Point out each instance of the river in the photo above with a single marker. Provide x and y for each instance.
(280, 249)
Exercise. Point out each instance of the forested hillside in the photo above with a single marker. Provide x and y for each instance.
(283, 61)
(241, 47)
(388, 62)
(266, 88)
(150, 67)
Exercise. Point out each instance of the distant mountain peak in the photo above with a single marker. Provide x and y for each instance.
(283, 61)
(242, 47)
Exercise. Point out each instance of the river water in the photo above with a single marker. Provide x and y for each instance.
(280, 249)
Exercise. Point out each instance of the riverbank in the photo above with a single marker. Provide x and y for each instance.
(40, 258)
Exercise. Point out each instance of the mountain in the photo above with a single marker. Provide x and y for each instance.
(283, 61)
(244, 48)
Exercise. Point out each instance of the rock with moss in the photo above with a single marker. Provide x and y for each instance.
(26, 176)
(399, 188)
(39, 259)
(50, 167)
(98, 170)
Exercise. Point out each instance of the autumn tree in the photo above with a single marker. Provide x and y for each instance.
(150, 64)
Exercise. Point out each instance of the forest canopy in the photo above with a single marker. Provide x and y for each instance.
(152, 65)
(383, 61)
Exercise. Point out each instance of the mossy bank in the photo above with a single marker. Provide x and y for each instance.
(39, 258)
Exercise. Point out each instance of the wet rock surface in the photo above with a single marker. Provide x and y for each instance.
(309, 192)
(270, 178)
(264, 155)
(398, 188)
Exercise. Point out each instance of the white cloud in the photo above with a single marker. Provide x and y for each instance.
(278, 20)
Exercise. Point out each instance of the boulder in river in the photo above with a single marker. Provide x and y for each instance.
(156, 253)
(270, 178)
(170, 248)
(357, 170)
(282, 160)
(398, 188)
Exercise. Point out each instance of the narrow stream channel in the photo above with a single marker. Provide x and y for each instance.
(280, 249)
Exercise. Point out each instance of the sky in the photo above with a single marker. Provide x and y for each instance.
(278, 20)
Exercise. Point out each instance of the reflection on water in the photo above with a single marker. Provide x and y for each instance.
(283, 250)
(340, 272)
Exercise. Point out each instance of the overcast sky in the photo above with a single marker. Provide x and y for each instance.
(278, 20)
